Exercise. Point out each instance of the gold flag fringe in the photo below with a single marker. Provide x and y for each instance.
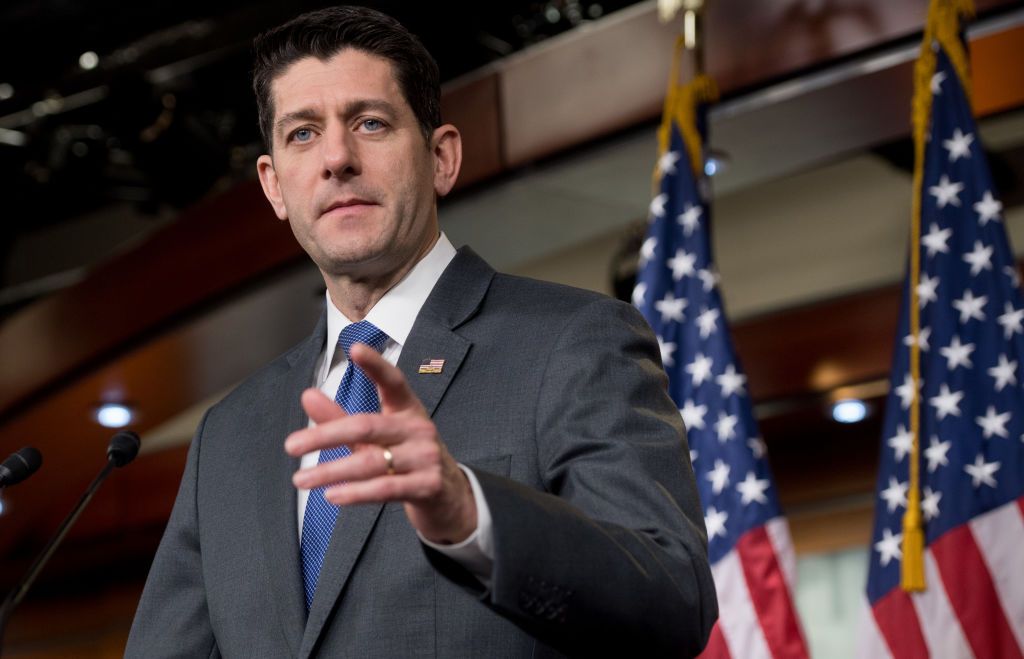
(942, 30)
(681, 102)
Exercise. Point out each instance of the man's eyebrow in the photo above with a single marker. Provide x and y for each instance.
(352, 108)
(370, 104)
(305, 114)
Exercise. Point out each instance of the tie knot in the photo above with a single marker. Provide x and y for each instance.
(362, 332)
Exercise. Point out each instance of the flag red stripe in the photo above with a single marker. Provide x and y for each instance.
(973, 595)
(770, 595)
(897, 620)
(870, 644)
(999, 534)
(716, 647)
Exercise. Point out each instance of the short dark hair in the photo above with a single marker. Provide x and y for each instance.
(323, 34)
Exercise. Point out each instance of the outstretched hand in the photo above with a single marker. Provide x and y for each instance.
(421, 473)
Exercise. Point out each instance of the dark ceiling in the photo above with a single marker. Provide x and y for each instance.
(167, 113)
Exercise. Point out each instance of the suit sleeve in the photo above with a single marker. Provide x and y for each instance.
(611, 558)
(172, 619)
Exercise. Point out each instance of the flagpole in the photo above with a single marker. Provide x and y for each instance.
(693, 23)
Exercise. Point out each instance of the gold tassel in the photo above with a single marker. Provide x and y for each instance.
(912, 569)
(681, 107)
(671, 99)
(701, 89)
(942, 28)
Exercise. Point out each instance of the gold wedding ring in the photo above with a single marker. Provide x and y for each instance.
(390, 460)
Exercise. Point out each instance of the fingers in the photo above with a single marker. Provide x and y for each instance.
(382, 430)
(344, 430)
(377, 429)
(417, 486)
(322, 411)
(333, 426)
(319, 407)
(395, 393)
(419, 457)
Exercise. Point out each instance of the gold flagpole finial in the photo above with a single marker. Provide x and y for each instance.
(667, 9)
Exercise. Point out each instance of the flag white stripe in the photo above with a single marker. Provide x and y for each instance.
(999, 535)
(870, 643)
(939, 624)
(782, 545)
(736, 615)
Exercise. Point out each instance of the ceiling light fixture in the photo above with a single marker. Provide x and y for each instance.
(88, 60)
(849, 410)
(716, 162)
(114, 415)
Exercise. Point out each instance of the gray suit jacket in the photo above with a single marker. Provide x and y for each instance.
(556, 398)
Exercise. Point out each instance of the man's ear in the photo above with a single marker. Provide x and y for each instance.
(447, 150)
(271, 187)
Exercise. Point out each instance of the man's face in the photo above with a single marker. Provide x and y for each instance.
(351, 170)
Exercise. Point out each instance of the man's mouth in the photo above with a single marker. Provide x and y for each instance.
(352, 203)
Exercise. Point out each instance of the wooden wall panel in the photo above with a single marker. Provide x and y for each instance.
(589, 83)
(472, 104)
(749, 43)
(214, 248)
(819, 347)
(998, 83)
(189, 362)
(584, 84)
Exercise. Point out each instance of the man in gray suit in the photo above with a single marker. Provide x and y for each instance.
(519, 482)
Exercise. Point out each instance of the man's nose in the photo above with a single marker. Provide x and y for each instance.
(340, 154)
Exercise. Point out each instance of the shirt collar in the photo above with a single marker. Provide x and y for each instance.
(396, 312)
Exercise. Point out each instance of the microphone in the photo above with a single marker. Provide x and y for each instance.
(22, 464)
(123, 448)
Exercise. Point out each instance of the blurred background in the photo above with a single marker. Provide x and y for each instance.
(141, 267)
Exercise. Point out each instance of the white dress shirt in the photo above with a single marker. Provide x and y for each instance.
(395, 314)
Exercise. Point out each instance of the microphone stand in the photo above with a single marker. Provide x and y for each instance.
(18, 593)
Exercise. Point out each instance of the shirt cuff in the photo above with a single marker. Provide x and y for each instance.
(475, 553)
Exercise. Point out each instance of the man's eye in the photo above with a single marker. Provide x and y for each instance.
(302, 135)
(373, 125)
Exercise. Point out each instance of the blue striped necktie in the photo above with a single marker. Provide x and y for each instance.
(356, 394)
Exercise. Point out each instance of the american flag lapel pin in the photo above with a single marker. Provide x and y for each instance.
(431, 366)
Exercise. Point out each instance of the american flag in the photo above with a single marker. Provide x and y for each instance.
(971, 402)
(677, 291)
(431, 366)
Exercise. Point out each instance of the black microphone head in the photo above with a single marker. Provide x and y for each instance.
(123, 448)
(22, 464)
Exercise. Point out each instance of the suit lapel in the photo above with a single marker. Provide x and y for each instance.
(432, 342)
(454, 299)
(277, 498)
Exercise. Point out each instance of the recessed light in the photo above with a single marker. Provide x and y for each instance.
(850, 410)
(88, 60)
(716, 162)
(114, 415)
